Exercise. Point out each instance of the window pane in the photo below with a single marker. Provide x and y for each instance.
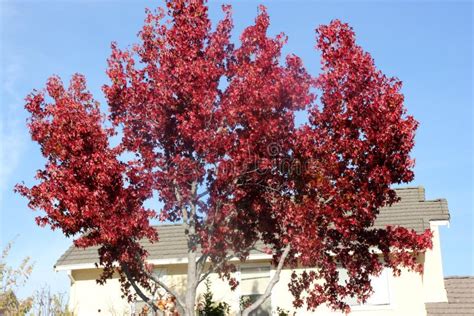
(254, 280)
(160, 273)
(253, 283)
(381, 294)
(343, 277)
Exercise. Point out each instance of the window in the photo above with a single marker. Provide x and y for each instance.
(253, 283)
(381, 295)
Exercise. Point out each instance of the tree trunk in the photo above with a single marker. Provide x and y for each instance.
(190, 299)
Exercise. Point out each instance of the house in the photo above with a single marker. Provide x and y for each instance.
(409, 294)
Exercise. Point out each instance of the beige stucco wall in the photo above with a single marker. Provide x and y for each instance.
(408, 293)
(405, 298)
(87, 297)
(433, 278)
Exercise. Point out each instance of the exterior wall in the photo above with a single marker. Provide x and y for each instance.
(408, 293)
(87, 297)
(405, 298)
(433, 279)
(176, 279)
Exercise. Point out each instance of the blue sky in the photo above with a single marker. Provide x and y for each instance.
(428, 45)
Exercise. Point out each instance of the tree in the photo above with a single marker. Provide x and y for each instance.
(47, 303)
(11, 279)
(211, 129)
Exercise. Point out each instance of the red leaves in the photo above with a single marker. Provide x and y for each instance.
(360, 140)
(200, 115)
(81, 188)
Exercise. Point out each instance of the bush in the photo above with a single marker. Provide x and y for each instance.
(207, 307)
(283, 312)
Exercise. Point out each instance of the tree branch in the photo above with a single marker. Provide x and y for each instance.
(214, 268)
(166, 288)
(156, 280)
(201, 262)
(327, 200)
(200, 195)
(137, 289)
(271, 284)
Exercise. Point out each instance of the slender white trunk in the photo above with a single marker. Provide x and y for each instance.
(271, 284)
(190, 299)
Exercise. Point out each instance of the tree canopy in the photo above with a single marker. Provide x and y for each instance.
(208, 128)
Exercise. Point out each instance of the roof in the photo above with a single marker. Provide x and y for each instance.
(172, 244)
(460, 290)
(413, 212)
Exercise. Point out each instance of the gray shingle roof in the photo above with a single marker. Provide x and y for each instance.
(460, 298)
(413, 212)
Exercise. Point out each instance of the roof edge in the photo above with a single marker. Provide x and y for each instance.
(155, 262)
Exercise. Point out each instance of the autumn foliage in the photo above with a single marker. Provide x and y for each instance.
(208, 128)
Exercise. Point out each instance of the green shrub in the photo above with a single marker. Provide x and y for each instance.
(283, 312)
(207, 307)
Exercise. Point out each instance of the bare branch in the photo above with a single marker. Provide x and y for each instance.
(214, 268)
(271, 284)
(327, 200)
(201, 262)
(152, 277)
(165, 287)
(177, 193)
(200, 195)
(264, 186)
(137, 289)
